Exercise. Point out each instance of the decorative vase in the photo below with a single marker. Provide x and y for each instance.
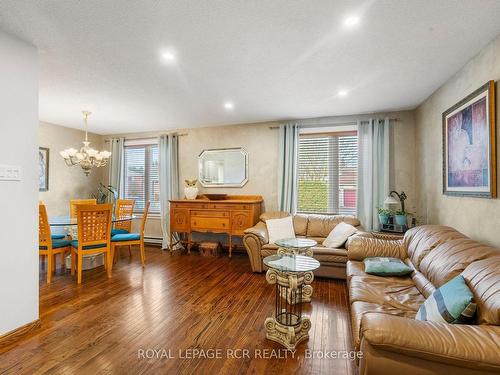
(400, 219)
(191, 192)
(384, 219)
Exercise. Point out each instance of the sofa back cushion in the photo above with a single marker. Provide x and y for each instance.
(449, 259)
(483, 278)
(322, 225)
(420, 241)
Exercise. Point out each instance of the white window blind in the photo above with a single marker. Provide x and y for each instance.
(328, 173)
(141, 179)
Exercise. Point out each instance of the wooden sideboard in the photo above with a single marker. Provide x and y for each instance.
(231, 215)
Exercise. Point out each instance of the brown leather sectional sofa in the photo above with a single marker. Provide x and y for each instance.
(383, 308)
(333, 260)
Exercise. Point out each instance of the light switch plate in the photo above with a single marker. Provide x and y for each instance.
(10, 173)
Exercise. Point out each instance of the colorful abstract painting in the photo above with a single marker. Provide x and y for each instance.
(469, 150)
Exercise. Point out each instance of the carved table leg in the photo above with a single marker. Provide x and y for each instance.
(287, 327)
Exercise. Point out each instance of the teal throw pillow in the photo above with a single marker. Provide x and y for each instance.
(453, 302)
(386, 266)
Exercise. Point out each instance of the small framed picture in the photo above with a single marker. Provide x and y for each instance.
(469, 154)
(43, 169)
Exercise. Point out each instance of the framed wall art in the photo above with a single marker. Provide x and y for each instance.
(43, 169)
(469, 145)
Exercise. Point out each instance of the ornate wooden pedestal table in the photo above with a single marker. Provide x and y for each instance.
(299, 246)
(287, 271)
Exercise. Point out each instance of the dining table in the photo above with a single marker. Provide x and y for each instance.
(67, 220)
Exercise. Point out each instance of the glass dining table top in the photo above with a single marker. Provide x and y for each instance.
(291, 263)
(296, 243)
(64, 221)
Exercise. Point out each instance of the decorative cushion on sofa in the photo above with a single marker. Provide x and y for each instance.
(339, 235)
(386, 266)
(280, 229)
(451, 303)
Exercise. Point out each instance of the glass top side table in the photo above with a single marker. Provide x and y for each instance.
(296, 246)
(288, 327)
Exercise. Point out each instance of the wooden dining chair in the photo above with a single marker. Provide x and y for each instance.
(55, 236)
(130, 239)
(94, 236)
(124, 209)
(47, 246)
(74, 203)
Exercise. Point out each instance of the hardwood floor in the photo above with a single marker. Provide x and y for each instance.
(178, 303)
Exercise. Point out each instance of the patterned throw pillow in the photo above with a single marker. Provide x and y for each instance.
(386, 266)
(451, 303)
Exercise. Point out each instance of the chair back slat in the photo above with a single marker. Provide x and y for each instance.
(144, 217)
(73, 204)
(44, 234)
(124, 208)
(94, 224)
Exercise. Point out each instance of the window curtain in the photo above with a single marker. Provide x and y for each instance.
(373, 169)
(116, 163)
(168, 168)
(287, 167)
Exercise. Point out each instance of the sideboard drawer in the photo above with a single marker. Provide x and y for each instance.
(210, 223)
(210, 213)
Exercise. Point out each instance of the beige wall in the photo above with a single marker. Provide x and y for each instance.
(261, 142)
(475, 217)
(66, 183)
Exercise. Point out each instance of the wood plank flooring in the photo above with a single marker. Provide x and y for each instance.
(179, 303)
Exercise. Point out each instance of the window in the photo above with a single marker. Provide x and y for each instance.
(140, 178)
(328, 173)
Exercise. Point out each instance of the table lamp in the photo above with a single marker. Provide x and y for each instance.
(392, 200)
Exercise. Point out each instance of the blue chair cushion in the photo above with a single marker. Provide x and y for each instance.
(56, 244)
(58, 236)
(126, 237)
(74, 243)
(118, 231)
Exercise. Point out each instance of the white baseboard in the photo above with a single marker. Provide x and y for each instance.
(153, 240)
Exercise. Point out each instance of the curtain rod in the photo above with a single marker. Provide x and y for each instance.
(143, 138)
(333, 124)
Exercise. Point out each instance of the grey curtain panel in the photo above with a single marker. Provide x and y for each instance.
(373, 169)
(116, 163)
(168, 167)
(287, 167)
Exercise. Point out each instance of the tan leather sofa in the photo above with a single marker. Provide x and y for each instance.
(383, 308)
(317, 227)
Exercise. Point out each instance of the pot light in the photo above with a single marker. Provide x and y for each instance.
(342, 93)
(228, 105)
(168, 56)
(351, 21)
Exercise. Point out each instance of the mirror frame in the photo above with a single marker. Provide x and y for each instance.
(212, 185)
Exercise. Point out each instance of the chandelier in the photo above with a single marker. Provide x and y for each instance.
(87, 157)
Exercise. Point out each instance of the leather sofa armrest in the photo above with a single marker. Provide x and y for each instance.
(253, 240)
(360, 247)
(259, 230)
(471, 346)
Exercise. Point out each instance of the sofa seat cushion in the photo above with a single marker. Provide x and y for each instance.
(359, 309)
(395, 292)
(355, 268)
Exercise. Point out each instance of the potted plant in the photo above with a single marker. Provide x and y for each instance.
(383, 215)
(400, 217)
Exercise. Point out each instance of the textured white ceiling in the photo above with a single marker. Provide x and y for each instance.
(275, 59)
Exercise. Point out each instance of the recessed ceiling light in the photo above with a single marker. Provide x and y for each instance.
(228, 105)
(351, 21)
(342, 93)
(168, 56)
